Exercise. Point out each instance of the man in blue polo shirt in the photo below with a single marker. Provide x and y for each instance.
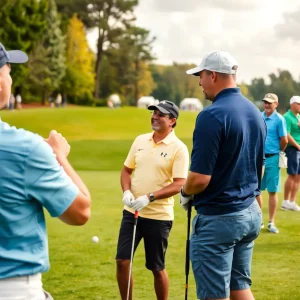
(225, 173)
(34, 174)
(276, 141)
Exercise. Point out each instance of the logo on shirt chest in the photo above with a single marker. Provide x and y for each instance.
(164, 154)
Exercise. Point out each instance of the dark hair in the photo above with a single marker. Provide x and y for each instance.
(171, 117)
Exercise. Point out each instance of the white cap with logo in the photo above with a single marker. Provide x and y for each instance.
(295, 99)
(217, 61)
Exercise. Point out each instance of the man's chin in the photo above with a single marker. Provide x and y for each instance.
(208, 97)
(155, 128)
(4, 106)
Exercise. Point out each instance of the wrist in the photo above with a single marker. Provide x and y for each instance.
(61, 158)
(151, 197)
(183, 193)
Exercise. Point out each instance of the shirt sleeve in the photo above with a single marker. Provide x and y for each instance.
(206, 143)
(130, 160)
(288, 125)
(181, 163)
(282, 127)
(47, 182)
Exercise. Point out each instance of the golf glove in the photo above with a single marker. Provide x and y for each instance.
(128, 198)
(185, 199)
(140, 202)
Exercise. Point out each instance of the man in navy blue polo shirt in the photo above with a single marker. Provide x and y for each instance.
(225, 174)
(34, 174)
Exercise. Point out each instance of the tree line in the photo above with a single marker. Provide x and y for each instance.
(53, 33)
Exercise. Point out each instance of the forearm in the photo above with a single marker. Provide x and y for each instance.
(283, 143)
(125, 180)
(63, 161)
(292, 141)
(196, 183)
(169, 190)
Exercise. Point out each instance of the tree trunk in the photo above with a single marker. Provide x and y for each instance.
(44, 98)
(98, 63)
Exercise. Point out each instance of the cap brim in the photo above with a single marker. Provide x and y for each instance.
(269, 100)
(161, 109)
(195, 71)
(17, 57)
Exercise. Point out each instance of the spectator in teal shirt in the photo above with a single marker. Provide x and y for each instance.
(291, 186)
(34, 174)
(276, 142)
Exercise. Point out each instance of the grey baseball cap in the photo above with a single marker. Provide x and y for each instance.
(12, 56)
(166, 107)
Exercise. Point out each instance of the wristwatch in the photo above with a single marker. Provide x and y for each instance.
(151, 197)
(183, 193)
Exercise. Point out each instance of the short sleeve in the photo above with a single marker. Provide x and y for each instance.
(130, 160)
(206, 143)
(181, 163)
(47, 182)
(282, 127)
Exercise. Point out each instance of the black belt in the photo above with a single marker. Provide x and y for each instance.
(270, 154)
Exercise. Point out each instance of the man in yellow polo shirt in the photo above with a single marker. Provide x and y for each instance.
(154, 171)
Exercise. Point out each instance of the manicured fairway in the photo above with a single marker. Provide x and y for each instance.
(80, 269)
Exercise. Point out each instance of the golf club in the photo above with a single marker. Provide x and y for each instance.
(187, 250)
(136, 214)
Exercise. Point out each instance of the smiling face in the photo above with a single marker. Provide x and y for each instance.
(161, 122)
(5, 85)
(270, 107)
(295, 107)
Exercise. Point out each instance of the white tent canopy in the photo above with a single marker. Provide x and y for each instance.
(114, 98)
(191, 104)
(146, 101)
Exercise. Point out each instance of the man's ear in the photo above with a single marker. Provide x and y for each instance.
(214, 76)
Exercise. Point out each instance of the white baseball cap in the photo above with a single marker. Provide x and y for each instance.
(295, 99)
(217, 61)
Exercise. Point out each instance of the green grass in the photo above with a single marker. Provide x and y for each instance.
(80, 269)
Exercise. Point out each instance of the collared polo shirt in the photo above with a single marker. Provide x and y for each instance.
(292, 124)
(30, 179)
(276, 129)
(155, 165)
(228, 145)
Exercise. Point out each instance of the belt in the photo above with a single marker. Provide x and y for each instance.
(270, 154)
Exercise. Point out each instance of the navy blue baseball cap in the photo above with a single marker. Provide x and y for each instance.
(12, 56)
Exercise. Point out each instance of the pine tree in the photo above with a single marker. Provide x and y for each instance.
(54, 42)
(22, 24)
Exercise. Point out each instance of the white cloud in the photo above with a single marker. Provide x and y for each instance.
(290, 28)
(196, 5)
(186, 30)
(263, 35)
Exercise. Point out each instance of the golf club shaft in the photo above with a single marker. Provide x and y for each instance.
(187, 251)
(136, 214)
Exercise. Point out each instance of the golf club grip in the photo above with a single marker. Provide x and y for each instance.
(187, 258)
(136, 215)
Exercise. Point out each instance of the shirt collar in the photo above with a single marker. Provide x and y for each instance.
(227, 92)
(167, 140)
(272, 116)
